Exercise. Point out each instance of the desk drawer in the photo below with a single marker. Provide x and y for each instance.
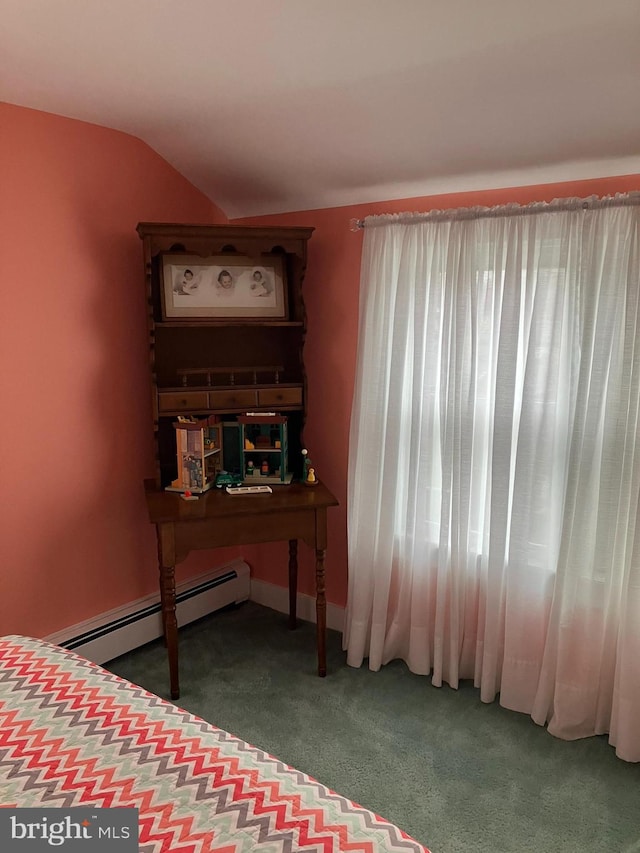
(183, 401)
(280, 397)
(232, 399)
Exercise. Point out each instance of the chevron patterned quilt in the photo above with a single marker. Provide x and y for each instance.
(73, 734)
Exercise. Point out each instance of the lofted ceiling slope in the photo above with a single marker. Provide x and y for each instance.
(281, 105)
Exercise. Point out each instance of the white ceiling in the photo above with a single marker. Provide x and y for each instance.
(277, 105)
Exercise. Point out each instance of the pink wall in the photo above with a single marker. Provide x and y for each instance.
(76, 420)
(75, 431)
(331, 295)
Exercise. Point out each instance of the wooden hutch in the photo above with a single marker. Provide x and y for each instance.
(225, 365)
(212, 365)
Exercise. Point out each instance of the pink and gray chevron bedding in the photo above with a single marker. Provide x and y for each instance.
(72, 734)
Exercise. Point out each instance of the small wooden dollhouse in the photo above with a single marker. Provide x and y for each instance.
(198, 452)
(265, 448)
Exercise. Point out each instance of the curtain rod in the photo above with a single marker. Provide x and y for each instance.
(593, 202)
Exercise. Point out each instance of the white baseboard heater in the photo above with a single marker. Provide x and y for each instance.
(119, 631)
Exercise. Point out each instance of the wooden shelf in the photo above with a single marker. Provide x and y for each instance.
(187, 347)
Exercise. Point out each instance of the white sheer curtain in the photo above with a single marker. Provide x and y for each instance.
(494, 473)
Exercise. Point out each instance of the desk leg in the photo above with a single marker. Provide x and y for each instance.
(163, 602)
(293, 582)
(321, 613)
(170, 623)
(167, 561)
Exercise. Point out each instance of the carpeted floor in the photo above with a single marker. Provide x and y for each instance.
(453, 772)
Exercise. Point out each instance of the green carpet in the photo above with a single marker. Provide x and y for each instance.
(456, 774)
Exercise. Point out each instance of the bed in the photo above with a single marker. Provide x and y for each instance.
(73, 734)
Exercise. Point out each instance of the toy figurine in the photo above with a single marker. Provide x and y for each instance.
(308, 471)
(306, 464)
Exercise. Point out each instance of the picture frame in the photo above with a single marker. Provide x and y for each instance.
(223, 287)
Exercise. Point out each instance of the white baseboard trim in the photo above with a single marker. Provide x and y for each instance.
(111, 634)
(277, 598)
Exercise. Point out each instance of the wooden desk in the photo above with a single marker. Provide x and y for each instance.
(218, 519)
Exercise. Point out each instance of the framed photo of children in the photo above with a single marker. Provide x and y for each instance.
(224, 286)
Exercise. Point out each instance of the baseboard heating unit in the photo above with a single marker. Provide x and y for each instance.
(119, 631)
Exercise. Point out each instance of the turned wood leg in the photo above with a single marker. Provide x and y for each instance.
(162, 596)
(170, 623)
(321, 613)
(293, 582)
(162, 613)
